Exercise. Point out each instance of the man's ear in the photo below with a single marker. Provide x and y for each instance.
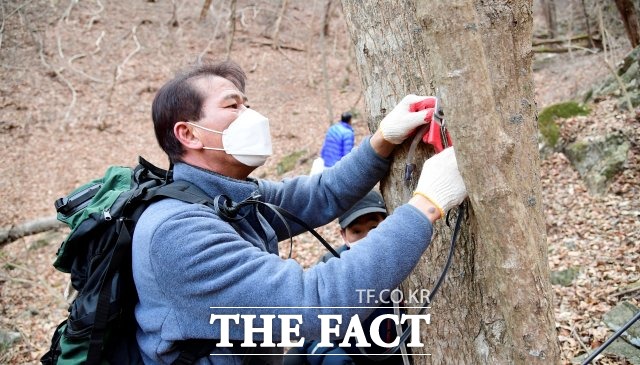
(184, 133)
(343, 234)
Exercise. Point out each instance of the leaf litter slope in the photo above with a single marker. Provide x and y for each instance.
(78, 80)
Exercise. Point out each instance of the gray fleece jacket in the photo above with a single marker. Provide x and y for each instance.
(189, 263)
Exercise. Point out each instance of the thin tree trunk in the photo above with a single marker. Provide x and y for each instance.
(587, 24)
(629, 16)
(495, 306)
(232, 27)
(549, 7)
(276, 26)
(174, 14)
(325, 19)
(606, 45)
(325, 73)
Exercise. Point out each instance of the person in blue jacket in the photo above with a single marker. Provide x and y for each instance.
(338, 141)
(204, 272)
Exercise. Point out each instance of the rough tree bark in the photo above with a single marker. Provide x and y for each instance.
(629, 16)
(496, 304)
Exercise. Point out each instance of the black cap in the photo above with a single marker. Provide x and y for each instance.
(346, 117)
(371, 203)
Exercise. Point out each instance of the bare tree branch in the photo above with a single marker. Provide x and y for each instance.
(577, 337)
(255, 65)
(59, 44)
(58, 74)
(538, 42)
(98, 41)
(95, 15)
(67, 12)
(205, 9)
(117, 72)
(285, 56)
(214, 36)
(10, 234)
(567, 48)
(271, 44)
(4, 18)
(80, 72)
(120, 67)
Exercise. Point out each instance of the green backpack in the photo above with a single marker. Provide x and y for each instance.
(102, 215)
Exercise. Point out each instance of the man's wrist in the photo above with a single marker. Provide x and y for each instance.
(380, 145)
(425, 205)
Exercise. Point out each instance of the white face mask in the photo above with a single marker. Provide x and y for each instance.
(247, 138)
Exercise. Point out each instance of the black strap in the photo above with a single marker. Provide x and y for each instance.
(228, 210)
(180, 190)
(192, 350)
(102, 306)
(156, 171)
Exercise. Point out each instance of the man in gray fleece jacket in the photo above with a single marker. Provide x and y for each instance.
(190, 263)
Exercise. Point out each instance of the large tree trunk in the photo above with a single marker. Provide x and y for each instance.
(496, 304)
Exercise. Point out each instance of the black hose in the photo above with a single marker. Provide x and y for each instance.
(611, 339)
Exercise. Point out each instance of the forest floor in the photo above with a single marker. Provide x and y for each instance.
(77, 84)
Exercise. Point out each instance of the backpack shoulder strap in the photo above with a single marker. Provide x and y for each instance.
(180, 190)
(153, 169)
(189, 350)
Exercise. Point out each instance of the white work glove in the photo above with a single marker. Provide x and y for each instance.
(399, 124)
(440, 181)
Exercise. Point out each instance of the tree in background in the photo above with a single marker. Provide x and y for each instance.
(549, 8)
(629, 15)
(495, 306)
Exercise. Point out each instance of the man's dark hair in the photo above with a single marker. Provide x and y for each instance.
(346, 117)
(180, 100)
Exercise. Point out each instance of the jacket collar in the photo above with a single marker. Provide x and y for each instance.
(213, 183)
